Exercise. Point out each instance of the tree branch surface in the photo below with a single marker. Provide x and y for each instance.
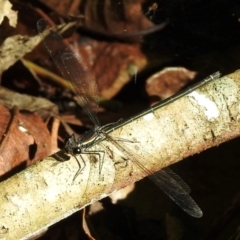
(44, 193)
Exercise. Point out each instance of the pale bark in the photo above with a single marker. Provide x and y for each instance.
(44, 194)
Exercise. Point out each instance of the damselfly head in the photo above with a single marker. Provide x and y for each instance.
(72, 146)
(77, 150)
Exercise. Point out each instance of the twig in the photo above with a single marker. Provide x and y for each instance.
(43, 194)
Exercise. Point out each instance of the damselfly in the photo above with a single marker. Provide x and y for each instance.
(82, 83)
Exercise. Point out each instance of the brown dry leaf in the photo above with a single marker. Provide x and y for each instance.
(21, 141)
(14, 48)
(17, 42)
(6, 11)
(63, 7)
(116, 17)
(111, 64)
(168, 81)
(86, 228)
(43, 107)
(26, 102)
(108, 17)
(72, 119)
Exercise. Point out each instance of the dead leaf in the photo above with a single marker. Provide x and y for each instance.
(116, 17)
(85, 225)
(63, 7)
(112, 64)
(124, 19)
(6, 11)
(168, 81)
(21, 141)
(14, 48)
(38, 105)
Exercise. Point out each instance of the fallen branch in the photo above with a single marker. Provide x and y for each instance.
(44, 193)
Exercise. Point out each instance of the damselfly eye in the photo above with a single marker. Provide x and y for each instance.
(77, 150)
